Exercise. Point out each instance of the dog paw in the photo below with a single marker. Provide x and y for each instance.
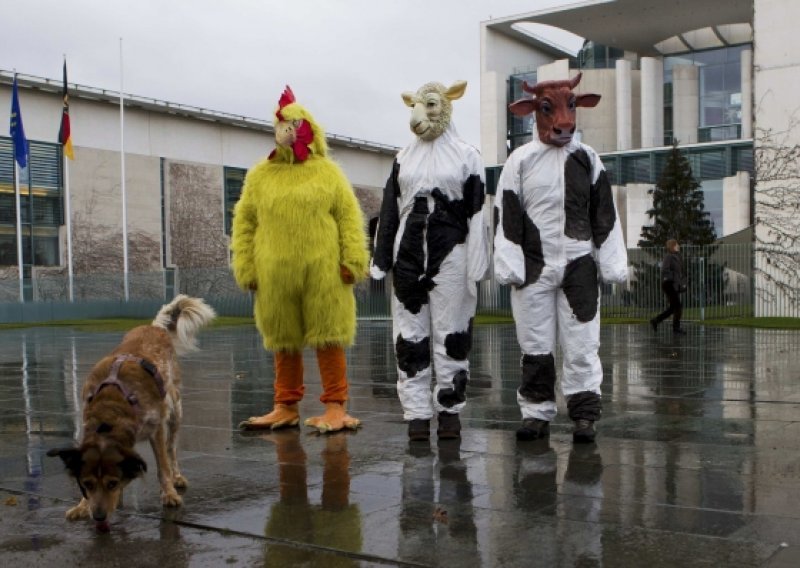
(180, 482)
(171, 500)
(77, 512)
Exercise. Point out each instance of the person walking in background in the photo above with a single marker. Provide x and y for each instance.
(673, 283)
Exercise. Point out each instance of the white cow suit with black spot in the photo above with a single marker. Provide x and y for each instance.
(432, 236)
(556, 226)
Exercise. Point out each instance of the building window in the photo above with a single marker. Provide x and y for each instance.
(492, 177)
(611, 164)
(41, 205)
(712, 203)
(720, 90)
(596, 56)
(636, 169)
(234, 179)
(520, 128)
(707, 163)
(742, 159)
(668, 140)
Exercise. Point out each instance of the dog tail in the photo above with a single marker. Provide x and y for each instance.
(182, 318)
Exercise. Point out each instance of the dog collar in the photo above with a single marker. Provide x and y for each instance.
(113, 380)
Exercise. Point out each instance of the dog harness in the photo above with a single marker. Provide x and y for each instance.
(113, 380)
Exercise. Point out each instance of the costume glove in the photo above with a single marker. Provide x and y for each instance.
(346, 275)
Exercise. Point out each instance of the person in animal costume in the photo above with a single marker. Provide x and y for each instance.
(556, 228)
(431, 236)
(299, 243)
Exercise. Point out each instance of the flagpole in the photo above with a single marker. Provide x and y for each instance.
(68, 211)
(19, 231)
(64, 138)
(122, 165)
(17, 201)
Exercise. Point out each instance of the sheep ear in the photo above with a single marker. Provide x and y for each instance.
(523, 107)
(456, 90)
(408, 98)
(587, 100)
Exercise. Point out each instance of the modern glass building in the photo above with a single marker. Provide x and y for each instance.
(691, 94)
(719, 90)
(717, 76)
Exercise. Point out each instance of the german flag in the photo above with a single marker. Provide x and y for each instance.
(64, 136)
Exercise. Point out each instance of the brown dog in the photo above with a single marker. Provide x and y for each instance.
(131, 395)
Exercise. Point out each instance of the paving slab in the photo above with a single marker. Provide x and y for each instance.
(697, 461)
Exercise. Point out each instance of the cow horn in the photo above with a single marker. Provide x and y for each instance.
(528, 88)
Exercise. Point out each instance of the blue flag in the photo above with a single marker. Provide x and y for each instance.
(17, 130)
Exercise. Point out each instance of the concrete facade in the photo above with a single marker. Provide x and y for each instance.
(624, 106)
(173, 152)
(599, 126)
(652, 107)
(736, 203)
(685, 103)
(96, 201)
(776, 135)
(174, 131)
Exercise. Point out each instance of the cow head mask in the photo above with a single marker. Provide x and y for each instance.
(554, 103)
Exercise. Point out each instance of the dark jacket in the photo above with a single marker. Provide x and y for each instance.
(672, 270)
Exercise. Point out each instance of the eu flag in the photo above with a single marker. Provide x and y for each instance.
(17, 130)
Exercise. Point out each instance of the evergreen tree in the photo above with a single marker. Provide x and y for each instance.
(678, 210)
(679, 213)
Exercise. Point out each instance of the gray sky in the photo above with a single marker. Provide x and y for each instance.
(346, 60)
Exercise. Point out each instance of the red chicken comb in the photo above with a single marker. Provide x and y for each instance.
(287, 97)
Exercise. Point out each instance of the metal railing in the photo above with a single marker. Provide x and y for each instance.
(720, 285)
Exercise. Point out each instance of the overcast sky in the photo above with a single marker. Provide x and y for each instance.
(346, 60)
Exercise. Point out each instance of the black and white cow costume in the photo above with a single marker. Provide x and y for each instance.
(556, 225)
(431, 236)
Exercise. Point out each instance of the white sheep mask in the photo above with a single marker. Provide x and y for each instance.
(432, 108)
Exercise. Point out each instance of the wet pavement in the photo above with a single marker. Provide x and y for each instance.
(697, 461)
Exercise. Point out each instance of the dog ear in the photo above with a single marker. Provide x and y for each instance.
(72, 458)
(132, 466)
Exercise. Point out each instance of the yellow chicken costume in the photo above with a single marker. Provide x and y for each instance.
(298, 241)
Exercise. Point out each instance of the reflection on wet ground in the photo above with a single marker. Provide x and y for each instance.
(697, 462)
